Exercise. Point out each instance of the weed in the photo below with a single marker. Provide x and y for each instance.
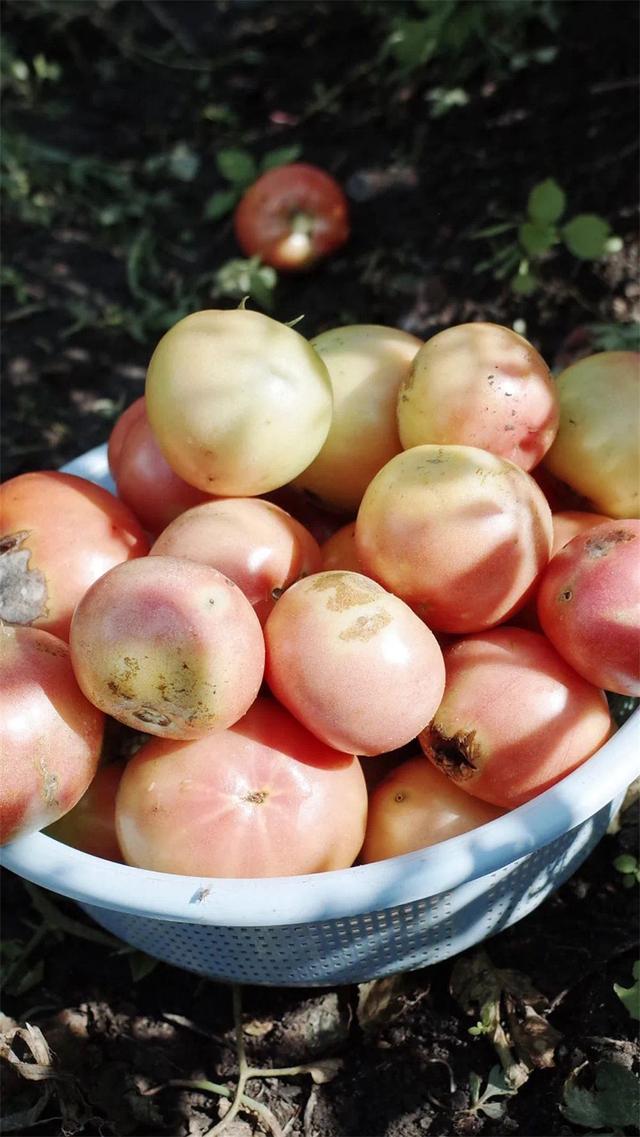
(612, 1104)
(629, 866)
(483, 1100)
(586, 236)
(240, 169)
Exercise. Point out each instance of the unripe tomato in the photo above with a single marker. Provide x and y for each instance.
(597, 449)
(263, 798)
(59, 534)
(91, 824)
(589, 605)
(168, 646)
(144, 479)
(352, 662)
(255, 543)
(50, 735)
(239, 403)
(292, 216)
(458, 533)
(415, 806)
(515, 717)
(366, 365)
(480, 385)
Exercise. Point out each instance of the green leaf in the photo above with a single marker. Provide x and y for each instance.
(412, 44)
(493, 1109)
(524, 284)
(630, 996)
(537, 236)
(586, 236)
(618, 1094)
(494, 230)
(546, 202)
(219, 204)
(626, 863)
(280, 157)
(237, 166)
(262, 282)
(580, 1107)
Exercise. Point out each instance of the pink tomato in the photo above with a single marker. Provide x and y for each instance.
(91, 824)
(168, 646)
(515, 717)
(339, 551)
(353, 662)
(263, 798)
(589, 605)
(50, 735)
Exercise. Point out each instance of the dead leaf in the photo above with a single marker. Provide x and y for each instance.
(324, 1071)
(32, 1036)
(509, 1009)
(379, 1000)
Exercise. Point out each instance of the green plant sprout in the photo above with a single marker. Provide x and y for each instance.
(630, 996)
(586, 236)
(238, 277)
(629, 866)
(483, 1100)
(240, 169)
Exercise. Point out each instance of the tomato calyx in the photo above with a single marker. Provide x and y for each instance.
(456, 755)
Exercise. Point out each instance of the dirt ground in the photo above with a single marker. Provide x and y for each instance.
(114, 115)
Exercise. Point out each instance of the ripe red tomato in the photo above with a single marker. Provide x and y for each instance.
(263, 798)
(168, 646)
(59, 534)
(353, 662)
(255, 543)
(515, 717)
(416, 806)
(91, 824)
(292, 216)
(50, 735)
(589, 605)
(143, 477)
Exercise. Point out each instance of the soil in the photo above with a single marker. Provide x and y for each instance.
(88, 292)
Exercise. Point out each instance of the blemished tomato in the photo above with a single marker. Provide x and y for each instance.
(91, 824)
(506, 752)
(168, 646)
(239, 403)
(255, 543)
(263, 798)
(458, 533)
(144, 479)
(415, 806)
(596, 450)
(353, 662)
(50, 735)
(480, 385)
(568, 523)
(59, 534)
(292, 217)
(589, 605)
(366, 365)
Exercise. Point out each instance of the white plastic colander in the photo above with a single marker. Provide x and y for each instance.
(352, 924)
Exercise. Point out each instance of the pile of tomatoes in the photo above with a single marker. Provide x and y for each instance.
(356, 595)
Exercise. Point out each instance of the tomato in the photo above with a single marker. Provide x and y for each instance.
(366, 365)
(339, 551)
(50, 736)
(568, 523)
(239, 403)
(263, 798)
(458, 533)
(59, 534)
(292, 216)
(168, 646)
(253, 542)
(352, 662)
(143, 477)
(515, 717)
(596, 451)
(415, 806)
(589, 605)
(91, 824)
(480, 385)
